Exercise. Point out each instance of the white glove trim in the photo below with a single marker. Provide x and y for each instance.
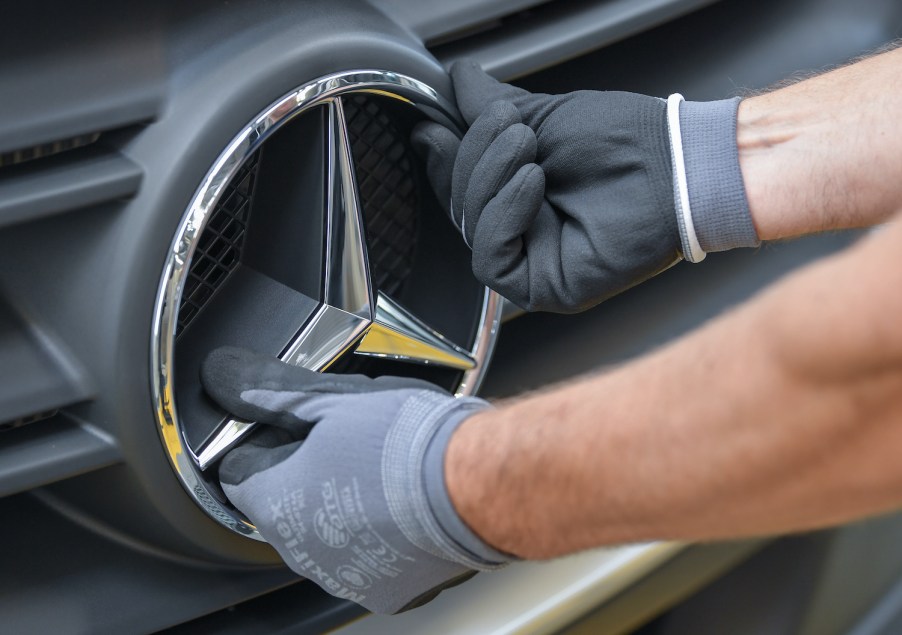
(693, 250)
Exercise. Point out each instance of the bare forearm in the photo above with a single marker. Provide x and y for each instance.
(782, 415)
(824, 153)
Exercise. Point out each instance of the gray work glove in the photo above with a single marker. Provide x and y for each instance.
(566, 200)
(346, 480)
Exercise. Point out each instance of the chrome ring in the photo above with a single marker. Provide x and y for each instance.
(192, 224)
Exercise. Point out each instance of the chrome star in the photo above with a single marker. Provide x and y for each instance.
(351, 315)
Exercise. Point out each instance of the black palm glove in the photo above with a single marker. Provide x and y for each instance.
(565, 200)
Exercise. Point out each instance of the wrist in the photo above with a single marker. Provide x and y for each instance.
(473, 472)
(765, 132)
(409, 463)
(823, 154)
(464, 544)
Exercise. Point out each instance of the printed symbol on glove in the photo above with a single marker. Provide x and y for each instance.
(354, 577)
(330, 529)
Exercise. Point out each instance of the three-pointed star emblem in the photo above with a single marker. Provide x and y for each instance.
(351, 314)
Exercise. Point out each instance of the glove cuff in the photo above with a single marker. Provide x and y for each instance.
(719, 207)
(414, 481)
(440, 500)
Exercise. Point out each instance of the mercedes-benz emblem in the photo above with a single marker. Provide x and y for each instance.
(350, 316)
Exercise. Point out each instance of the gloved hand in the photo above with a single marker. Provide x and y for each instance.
(569, 199)
(346, 479)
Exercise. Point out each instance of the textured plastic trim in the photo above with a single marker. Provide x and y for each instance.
(73, 70)
(562, 30)
(37, 373)
(51, 450)
(434, 19)
(60, 184)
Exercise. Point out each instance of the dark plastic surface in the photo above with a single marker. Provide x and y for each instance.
(285, 239)
(561, 30)
(433, 19)
(295, 610)
(36, 373)
(71, 181)
(82, 581)
(731, 49)
(51, 450)
(68, 70)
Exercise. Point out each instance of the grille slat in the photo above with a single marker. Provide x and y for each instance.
(44, 150)
(29, 419)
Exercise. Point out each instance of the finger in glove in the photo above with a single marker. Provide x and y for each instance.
(266, 447)
(437, 146)
(233, 377)
(499, 255)
(495, 120)
(510, 151)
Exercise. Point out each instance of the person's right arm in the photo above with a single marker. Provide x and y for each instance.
(782, 415)
(569, 199)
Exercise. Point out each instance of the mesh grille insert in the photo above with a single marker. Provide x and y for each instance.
(219, 246)
(388, 193)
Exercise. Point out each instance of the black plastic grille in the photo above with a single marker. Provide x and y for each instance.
(219, 246)
(44, 150)
(388, 193)
(24, 421)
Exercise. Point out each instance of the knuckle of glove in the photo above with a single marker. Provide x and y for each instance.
(512, 150)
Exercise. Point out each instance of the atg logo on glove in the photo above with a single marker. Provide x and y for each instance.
(354, 577)
(327, 522)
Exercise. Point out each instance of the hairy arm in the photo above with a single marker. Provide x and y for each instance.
(782, 415)
(825, 153)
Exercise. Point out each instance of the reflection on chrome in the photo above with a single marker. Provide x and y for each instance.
(329, 333)
(399, 335)
(347, 272)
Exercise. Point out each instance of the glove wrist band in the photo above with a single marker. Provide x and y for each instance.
(713, 210)
(414, 482)
(692, 250)
(440, 500)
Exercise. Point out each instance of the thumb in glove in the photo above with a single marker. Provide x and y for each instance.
(495, 147)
